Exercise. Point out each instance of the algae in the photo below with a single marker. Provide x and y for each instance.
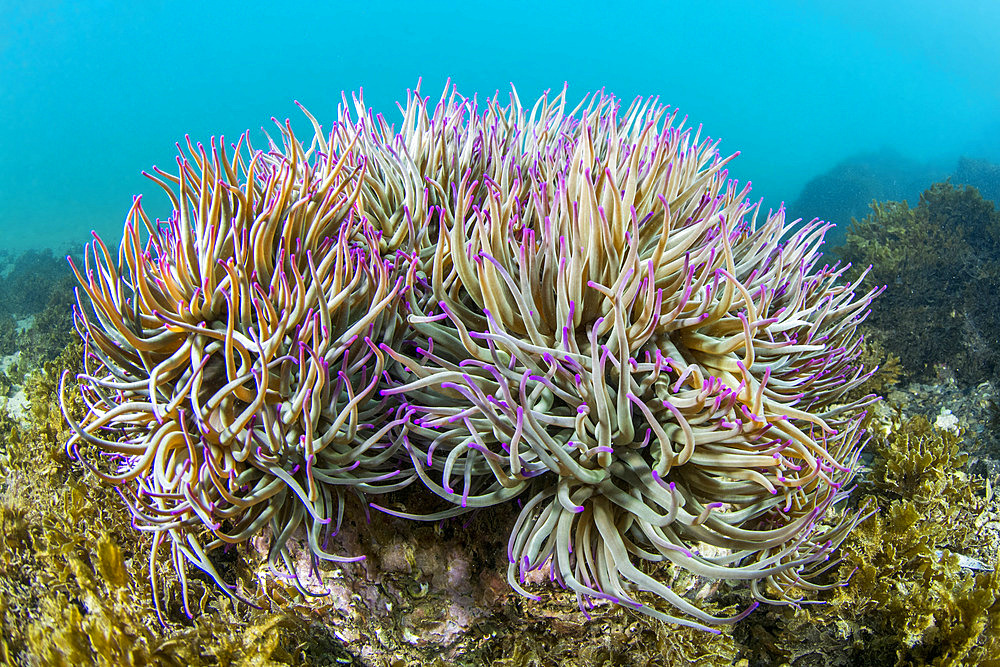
(74, 588)
(74, 584)
(940, 262)
(909, 601)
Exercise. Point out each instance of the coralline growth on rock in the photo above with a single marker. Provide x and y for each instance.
(574, 308)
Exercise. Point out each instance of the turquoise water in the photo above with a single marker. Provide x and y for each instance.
(92, 93)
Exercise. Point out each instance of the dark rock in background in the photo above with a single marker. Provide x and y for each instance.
(982, 174)
(847, 190)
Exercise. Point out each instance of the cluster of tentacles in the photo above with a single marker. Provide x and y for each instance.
(571, 307)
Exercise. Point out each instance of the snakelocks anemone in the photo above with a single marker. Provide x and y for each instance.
(573, 308)
(232, 358)
(606, 330)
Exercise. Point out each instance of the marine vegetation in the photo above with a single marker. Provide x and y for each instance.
(923, 587)
(940, 261)
(571, 309)
(35, 299)
(73, 592)
(28, 280)
(910, 596)
(910, 586)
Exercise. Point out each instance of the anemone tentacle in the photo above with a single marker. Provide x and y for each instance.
(573, 306)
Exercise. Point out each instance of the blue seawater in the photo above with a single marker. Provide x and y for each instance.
(92, 93)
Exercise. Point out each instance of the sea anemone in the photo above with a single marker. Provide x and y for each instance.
(605, 329)
(232, 357)
(575, 310)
